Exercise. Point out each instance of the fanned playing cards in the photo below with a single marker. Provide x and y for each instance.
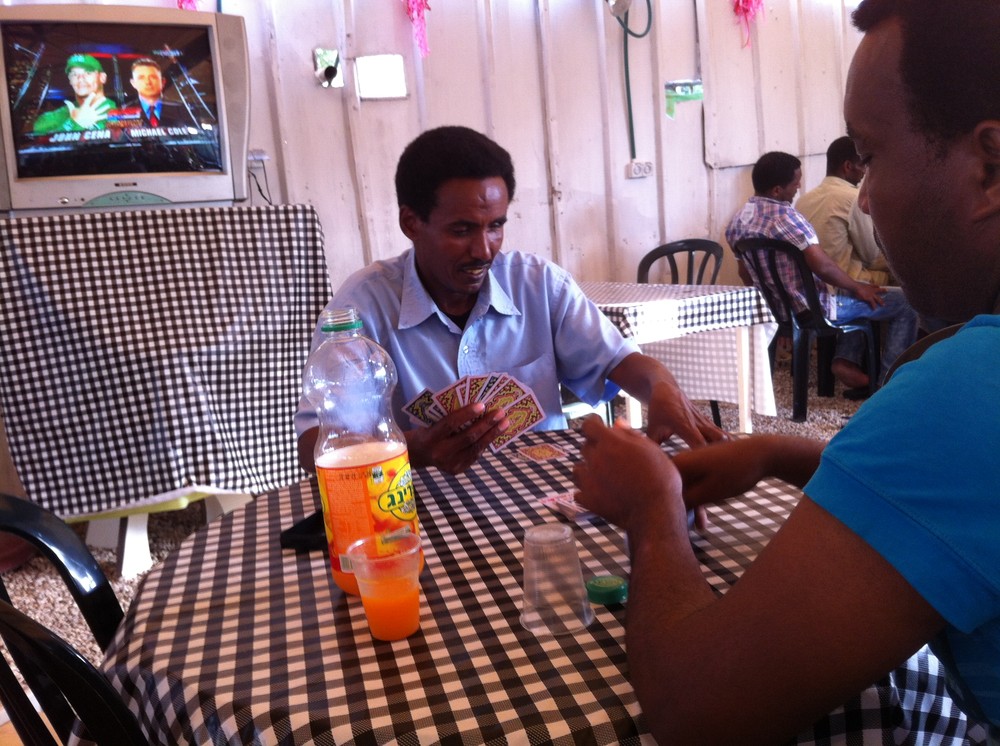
(495, 390)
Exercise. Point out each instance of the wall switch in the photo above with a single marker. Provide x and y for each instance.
(256, 158)
(638, 169)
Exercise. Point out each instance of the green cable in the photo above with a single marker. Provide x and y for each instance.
(623, 22)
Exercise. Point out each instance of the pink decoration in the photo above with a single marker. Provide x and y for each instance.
(187, 4)
(745, 11)
(415, 9)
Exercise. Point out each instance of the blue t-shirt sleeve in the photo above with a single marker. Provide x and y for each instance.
(916, 474)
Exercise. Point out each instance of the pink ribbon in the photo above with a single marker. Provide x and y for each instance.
(415, 9)
(745, 11)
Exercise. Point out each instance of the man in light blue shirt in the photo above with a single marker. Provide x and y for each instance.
(453, 305)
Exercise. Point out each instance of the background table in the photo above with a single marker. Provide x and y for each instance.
(234, 640)
(713, 338)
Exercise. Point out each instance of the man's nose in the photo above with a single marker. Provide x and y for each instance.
(482, 247)
(863, 197)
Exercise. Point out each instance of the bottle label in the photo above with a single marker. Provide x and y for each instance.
(366, 489)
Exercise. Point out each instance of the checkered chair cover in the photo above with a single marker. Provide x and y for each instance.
(148, 351)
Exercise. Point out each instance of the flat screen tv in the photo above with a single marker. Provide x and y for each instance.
(82, 128)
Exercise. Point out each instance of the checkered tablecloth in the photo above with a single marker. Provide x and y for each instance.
(692, 330)
(651, 313)
(146, 351)
(234, 640)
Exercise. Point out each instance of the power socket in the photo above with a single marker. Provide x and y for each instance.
(638, 169)
(256, 159)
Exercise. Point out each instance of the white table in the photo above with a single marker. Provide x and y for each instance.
(713, 338)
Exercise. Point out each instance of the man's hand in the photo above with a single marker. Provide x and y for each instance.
(670, 413)
(628, 497)
(454, 443)
(870, 294)
(86, 115)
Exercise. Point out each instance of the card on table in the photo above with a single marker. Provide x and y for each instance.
(566, 504)
(540, 452)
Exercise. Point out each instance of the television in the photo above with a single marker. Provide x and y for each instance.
(81, 129)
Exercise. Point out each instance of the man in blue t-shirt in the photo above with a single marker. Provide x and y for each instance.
(896, 543)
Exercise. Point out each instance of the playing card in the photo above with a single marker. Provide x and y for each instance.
(479, 385)
(540, 452)
(422, 408)
(454, 396)
(522, 414)
(565, 503)
(505, 393)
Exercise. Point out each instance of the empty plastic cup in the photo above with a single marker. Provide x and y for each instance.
(387, 569)
(555, 599)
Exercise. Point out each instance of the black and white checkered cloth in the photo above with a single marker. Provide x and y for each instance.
(234, 640)
(146, 351)
(649, 313)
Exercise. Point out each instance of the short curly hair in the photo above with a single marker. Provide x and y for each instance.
(774, 169)
(445, 153)
(949, 60)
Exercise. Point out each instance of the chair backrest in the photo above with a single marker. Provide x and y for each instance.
(703, 255)
(781, 274)
(919, 347)
(77, 691)
(72, 559)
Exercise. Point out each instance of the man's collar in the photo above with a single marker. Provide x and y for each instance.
(416, 304)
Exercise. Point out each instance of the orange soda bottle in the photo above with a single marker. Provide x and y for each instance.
(362, 464)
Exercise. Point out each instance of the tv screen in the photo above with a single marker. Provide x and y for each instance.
(92, 98)
(122, 105)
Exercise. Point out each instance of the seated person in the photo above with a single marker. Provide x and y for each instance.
(454, 305)
(91, 107)
(848, 238)
(894, 544)
(769, 214)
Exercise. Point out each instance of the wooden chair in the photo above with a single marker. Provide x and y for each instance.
(703, 255)
(780, 272)
(73, 688)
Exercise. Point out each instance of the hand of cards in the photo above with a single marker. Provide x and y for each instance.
(494, 390)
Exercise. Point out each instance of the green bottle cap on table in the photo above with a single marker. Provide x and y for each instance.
(607, 590)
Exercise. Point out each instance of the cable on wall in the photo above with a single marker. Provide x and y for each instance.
(627, 32)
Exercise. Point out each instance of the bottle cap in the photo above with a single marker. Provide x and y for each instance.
(342, 319)
(607, 590)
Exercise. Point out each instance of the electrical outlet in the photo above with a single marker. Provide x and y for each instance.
(638, 169)
(256, 158)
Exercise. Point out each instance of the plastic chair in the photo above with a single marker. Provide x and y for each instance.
(783, 277)
(75, 689)
(69, 554)
(701, 252)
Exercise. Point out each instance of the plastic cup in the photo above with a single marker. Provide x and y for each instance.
(555, 598)
(388, 573)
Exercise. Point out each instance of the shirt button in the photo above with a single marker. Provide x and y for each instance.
(466, 349)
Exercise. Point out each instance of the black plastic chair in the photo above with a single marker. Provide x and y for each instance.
(702, 253)
(783, 277)
(78, 568)
(87, 584)
(84, 692)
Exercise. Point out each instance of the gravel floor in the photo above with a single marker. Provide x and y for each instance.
(35, 586)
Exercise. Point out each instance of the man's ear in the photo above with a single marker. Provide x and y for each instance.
(408, 220)
(987, 144)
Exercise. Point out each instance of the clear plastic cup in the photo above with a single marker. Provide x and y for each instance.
(388, 573)
(555, 598)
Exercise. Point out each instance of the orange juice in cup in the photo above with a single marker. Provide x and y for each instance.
(387, 568)
(392, 608)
